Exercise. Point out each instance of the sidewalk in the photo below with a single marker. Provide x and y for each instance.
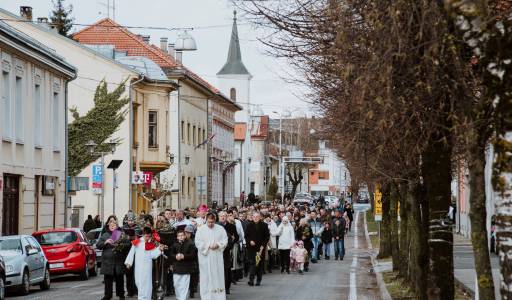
(464, 263)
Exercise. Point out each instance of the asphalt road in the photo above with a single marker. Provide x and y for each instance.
(348, 279)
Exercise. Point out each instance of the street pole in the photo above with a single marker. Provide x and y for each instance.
(102, 212)
(281, 170)
(113, 191)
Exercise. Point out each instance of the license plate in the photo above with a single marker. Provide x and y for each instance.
(56, 266)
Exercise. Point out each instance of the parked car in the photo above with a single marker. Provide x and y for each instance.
(68, 251)
(25, 263)
(331, 201)
(93, 236)
(2, 278)
(303, 198)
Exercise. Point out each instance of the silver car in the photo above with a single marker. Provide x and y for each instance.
(25, 263)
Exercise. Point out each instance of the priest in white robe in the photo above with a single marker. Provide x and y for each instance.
(210, 242)
(143, 251)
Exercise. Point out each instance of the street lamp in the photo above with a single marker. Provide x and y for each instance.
(184, 42)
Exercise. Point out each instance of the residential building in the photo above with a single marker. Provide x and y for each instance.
(185, 183)
(461, 193)
(258, 180)
(149, 96)
(235, 80)
(330, 177)
(34, 100)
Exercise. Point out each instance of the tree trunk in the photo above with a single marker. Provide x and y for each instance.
(502, 182)
(416, 231)
(478, 217)
(385, 224)
(404, 240)
(436, 171)
(394, 195)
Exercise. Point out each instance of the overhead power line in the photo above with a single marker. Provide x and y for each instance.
(129, 26)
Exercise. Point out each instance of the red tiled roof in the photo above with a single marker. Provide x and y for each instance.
(108, 32)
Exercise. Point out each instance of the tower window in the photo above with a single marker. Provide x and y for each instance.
(232, 94)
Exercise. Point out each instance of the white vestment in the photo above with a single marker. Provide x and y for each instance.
(211, 262)
(143, 268)
(181, 284)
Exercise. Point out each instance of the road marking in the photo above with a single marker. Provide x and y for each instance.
(353, 287)
(353, 284)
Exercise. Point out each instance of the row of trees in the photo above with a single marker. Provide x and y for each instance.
(411, 92)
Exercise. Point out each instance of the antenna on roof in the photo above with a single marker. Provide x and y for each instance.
(108, 6)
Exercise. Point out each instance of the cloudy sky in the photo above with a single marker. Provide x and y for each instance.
(212, 21)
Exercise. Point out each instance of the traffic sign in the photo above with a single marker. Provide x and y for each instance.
(97, 179)
(378, 204)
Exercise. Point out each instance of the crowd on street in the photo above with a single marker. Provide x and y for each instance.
(210, 250)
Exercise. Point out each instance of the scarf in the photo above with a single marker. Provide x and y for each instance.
(149, 245)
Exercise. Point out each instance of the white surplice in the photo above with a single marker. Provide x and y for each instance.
(143, 268)
(211, 262)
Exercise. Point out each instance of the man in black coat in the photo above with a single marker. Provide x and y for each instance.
(257, 236)
(232, 240)
(182, 255)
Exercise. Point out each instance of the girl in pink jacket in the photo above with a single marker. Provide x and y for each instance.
(299, 255)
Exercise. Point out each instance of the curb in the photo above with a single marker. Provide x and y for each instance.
(384, 294)
(463, 287)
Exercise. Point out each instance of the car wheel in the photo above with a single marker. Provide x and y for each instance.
(2, 289)
(94, 270)
(45, 284)
(25, 283)
(84, 275)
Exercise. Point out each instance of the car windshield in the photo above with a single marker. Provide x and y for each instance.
(56, 238)
(10, 244)
(93, 234)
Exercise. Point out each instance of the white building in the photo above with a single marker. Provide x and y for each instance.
(332, 176)
(235, 80)
(33, 89)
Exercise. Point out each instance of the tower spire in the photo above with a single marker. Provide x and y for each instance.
(234, 64)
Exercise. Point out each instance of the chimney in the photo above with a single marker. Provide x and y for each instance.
(145, 38)
(171, 50)
(42, 20)
(163, 44)
(26, 12)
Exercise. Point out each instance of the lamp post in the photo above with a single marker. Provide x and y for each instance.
(91, 146)
(184, 42)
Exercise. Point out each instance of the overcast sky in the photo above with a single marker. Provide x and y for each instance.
(268, 89)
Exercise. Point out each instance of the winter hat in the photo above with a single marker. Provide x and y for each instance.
(130, 216)
(203, 208)
(285, 218)
(189, 228)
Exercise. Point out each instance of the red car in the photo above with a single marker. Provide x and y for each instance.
(68, 251)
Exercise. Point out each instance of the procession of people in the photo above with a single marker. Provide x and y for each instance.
(208, 250)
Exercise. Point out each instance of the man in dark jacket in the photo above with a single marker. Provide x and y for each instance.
(89, 224)
(338, 233)
(257, 236)
(182, 256)
(232, 240)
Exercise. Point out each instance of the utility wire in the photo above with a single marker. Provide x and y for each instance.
(128, 26)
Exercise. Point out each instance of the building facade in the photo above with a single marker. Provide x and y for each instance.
(330, 177)
(33, 106)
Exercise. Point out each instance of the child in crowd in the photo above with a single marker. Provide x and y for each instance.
(299, 255)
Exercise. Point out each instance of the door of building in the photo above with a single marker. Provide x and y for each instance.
(11, 199)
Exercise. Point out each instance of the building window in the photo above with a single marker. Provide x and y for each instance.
(194, 135)
(38, 116)
(200, 137)
(56, 122)
(183, 131)
(189, 188)
(183, 185)
(188, 133)
(18, 107)
(152, 129)
(204, 137)
(232, 94)
(324, 175)
(6, 99)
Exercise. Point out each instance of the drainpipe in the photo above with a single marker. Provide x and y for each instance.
(66, 140)
(130, 126)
